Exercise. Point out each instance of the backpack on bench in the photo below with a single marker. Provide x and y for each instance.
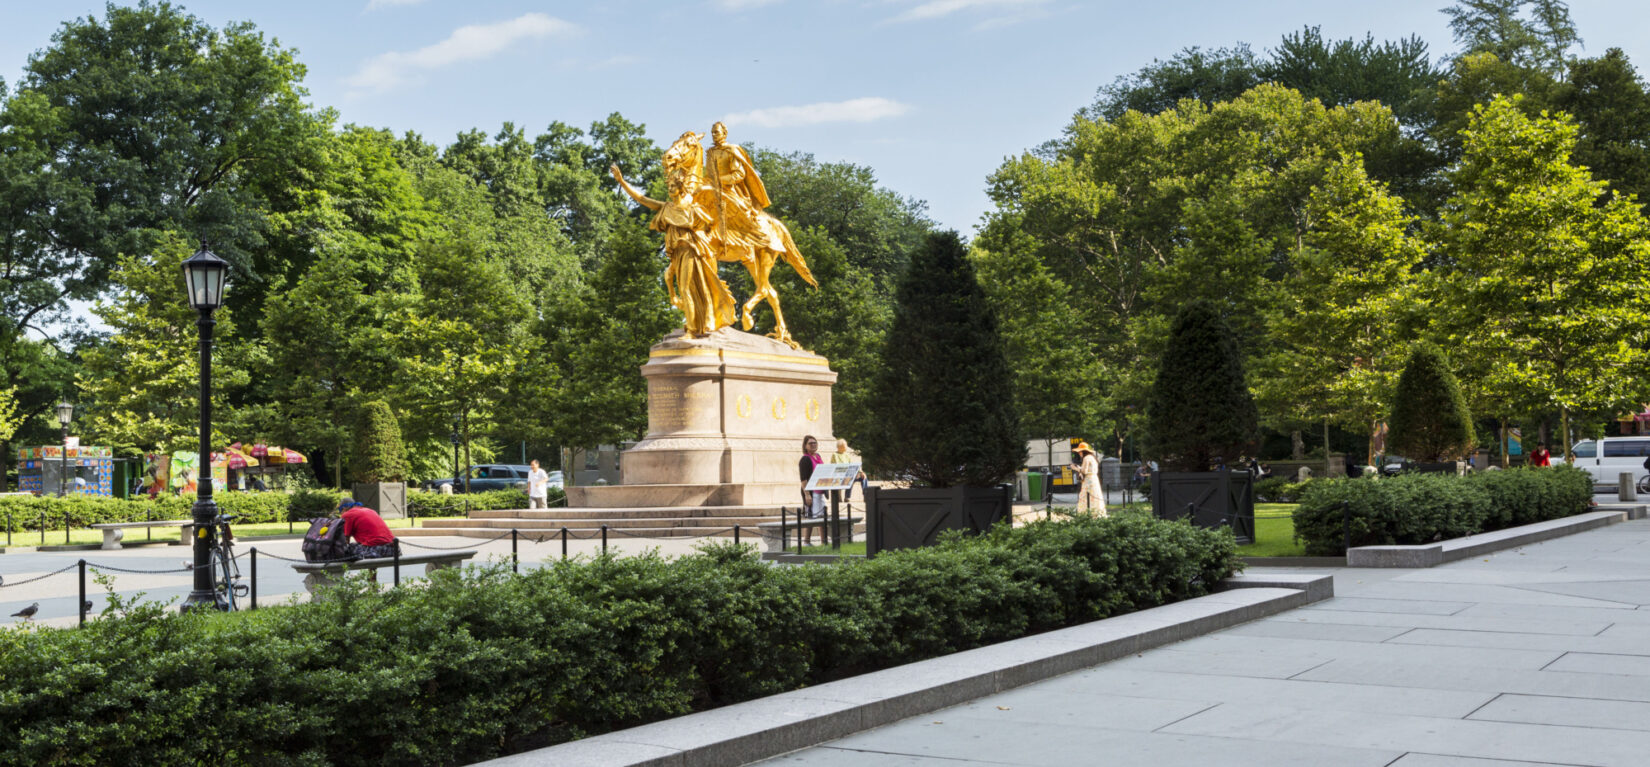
(325, 541)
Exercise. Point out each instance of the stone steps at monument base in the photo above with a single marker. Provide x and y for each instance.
(615, 523)
(663, 512)
(675, 496)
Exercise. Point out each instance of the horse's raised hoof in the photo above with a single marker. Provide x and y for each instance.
(746, 322)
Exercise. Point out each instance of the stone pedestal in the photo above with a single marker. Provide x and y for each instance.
(726, 418)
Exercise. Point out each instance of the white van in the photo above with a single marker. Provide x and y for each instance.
(1607, 458)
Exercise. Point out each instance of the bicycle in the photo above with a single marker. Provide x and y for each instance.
(1644, 484)
(226, 572)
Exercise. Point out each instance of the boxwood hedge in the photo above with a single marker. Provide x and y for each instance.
(30, 512)
(481, 662)
(1422, 508)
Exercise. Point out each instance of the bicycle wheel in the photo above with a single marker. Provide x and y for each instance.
(1644, 484)
(223, 566)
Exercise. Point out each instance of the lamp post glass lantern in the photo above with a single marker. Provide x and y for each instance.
(65, 414)
(204, 278)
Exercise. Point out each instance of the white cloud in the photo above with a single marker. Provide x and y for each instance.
(373, 5)
(741, 5)
(852, 111)
(936, 9)
(469, 43)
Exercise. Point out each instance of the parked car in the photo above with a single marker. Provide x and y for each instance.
(490, 476)
(1607, 458)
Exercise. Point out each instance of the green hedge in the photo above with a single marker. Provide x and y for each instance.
(1422, 508)
(26, 511)
(423, 503)
(481, 662)
(1281, 489)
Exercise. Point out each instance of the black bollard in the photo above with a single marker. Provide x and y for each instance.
(604, 539)
(254, 577)
(736, 535)
(515, 558)
(784, 528)
(564, 542)
(398, 565)
(82, 592)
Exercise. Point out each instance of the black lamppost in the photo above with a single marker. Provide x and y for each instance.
(65, 413)
(204, 275)
(454, 438)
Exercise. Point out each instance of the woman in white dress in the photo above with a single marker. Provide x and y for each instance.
(1091, 497)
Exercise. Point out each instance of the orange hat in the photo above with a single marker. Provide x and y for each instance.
(1083, 447)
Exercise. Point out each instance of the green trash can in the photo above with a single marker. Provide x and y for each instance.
(1034, 486)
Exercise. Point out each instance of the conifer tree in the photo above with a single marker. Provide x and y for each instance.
(942, 408)
(379, 453)
(1430, 420)
(1200, 409)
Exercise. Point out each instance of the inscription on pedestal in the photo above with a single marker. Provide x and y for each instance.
(678, 410)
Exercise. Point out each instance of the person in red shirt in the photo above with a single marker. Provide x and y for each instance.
(1540, 457)
(371, 537)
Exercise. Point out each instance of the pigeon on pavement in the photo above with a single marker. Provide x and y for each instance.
(27, 612)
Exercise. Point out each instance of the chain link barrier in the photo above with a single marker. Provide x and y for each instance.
(40, 577)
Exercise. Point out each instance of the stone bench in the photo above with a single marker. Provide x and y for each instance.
(318, 575)
(115, 532)
(774, 534)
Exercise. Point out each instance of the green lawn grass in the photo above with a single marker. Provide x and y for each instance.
(1274, 532)
(139, 534)
(856, 549)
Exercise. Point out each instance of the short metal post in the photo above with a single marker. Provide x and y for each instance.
(82, 592)
(254, 577)
(65, 528)
(515, 558)
(564, 542)
(784, 531)
(1048, 495)
(604, 539)
(1346, 527)
(799, 529)
(736, 535)
(42, 527)
(836, 519)
(148, 532)
(8, 528)
(398, 565)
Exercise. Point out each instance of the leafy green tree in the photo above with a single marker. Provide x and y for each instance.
(875, 227)
(591, 391)
(1546, 283)
(943, 406)
(1059, 382)
(143, 384)
(1209, 77)
(156, 121)
(1611, 107)
(1343, 72)
(379, 455)
(1429, 418)
(1349, 306)
(1200, 410)
(1475, 79)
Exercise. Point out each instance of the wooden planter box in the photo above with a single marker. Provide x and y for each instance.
(914, 517)
(1209, 498)
(389, 499)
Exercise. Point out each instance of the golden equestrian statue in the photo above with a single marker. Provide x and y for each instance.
(723, 220)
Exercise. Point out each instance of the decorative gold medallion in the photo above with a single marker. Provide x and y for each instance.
(742, 406)
(811, 410)
(779, 408)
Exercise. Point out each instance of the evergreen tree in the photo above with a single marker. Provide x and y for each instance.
(943, 405)
(1200, 409)
(1429, 420)
(379, 455)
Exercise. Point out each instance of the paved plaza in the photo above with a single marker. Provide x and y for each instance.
(1532, 656)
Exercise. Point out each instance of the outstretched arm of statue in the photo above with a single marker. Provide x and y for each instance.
(635, 194)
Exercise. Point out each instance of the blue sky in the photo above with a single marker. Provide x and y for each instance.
(932, 94)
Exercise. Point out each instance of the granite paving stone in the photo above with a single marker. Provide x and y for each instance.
(1538, 655)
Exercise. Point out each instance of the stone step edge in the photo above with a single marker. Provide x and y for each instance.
(767, 727)
(1455, 549)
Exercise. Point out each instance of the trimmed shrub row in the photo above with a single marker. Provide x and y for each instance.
(1423, 508)
(481, 662)
(29, 512)
(1281, 490)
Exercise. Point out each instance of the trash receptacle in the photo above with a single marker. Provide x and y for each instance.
(1034, 486)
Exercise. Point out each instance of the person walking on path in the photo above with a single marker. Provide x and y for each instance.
(538, 487)
(1540, 456)
(843, 455)
(1091, 497)
(372, 538)
(813, 501)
